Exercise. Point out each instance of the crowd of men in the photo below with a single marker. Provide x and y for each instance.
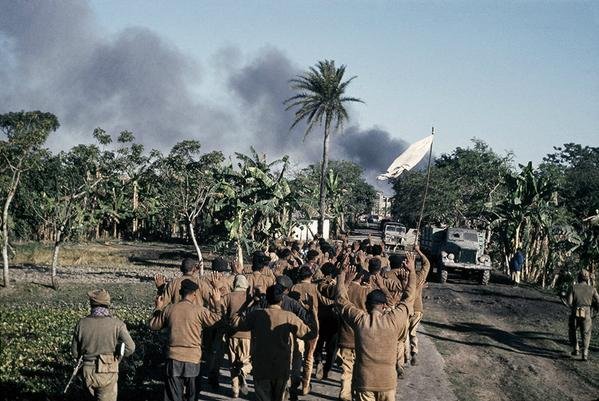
(300, 309)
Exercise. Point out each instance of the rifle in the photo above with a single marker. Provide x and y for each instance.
(77, 367)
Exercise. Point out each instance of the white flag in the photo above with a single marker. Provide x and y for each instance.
(408, 159)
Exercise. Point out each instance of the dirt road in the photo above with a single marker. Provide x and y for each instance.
(506, 343)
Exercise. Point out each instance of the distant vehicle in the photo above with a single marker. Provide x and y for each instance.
(397, 237)
(372, 221)
(456, 250)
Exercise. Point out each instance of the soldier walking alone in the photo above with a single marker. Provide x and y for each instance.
(581, 299)
(95, 340)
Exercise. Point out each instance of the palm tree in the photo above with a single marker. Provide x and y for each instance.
(321, 99)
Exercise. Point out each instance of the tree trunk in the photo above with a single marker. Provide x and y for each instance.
(323, 169)
(9, 197)
(135, 205)
(57, 244)
(192, 234)
(240, 255)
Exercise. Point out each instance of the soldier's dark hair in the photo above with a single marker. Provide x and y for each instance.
(259, 260)
(304, 272)
(374, 265)
(376, 297)
(284, 253)
(376, 250)
(274, 294)
(220, 264)
(311, 255)
(295, 247)
(328, 269)
(187, 287)
(395, 261)
(188, 265)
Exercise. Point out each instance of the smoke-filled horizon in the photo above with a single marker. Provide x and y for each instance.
(58, 61)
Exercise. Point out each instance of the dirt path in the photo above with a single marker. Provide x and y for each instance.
(425, 382)
(504, 343)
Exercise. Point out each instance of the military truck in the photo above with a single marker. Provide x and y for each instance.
(397, 237)
(456, 250)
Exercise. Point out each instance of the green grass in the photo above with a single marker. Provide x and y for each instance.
(36, 331)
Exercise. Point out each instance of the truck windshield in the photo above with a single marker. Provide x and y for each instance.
(471, 237)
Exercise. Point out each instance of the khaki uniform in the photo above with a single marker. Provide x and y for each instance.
(96, 339)
(238, 342)
(185, 322)
(261, 280)
(376, 339)
(271, 331)
(304, 351)
(582, 298)
(172, 295)
(357, 296)
(416, 317)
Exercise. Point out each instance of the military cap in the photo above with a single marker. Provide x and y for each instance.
(99, 297)
(376, 297)
(284, 281)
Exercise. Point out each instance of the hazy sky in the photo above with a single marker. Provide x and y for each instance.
(522, 76)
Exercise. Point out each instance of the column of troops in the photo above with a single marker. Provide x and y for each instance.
(301, 308)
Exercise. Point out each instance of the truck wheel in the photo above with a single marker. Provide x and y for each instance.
(443, 276)
(485, 277)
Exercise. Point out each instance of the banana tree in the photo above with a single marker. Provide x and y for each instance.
(252, 202)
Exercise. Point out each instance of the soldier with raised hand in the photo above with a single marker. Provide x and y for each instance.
(582, 299)
(185, 321)
(416, 317)
(376, 334)
(95, 340)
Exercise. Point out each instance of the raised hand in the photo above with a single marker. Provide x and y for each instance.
(159, 280)
(215, 295)
(350, 275)
(410, 261)
(159, 302)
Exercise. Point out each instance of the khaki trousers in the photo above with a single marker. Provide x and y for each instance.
(348, 357)
(375, 395)
(401, 345)
(239, 356)
(582, 326)
(101, 386)
(271, 389)
(412, 327)
(516, 277)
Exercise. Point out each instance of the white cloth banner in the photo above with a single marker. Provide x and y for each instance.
(408, 159)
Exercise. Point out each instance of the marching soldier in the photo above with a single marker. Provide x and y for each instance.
(95, 341)
(185, 321)
(376, 334)
(581, 299)
(271, 331)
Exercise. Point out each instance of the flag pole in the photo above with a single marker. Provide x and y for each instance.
(428, 176)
